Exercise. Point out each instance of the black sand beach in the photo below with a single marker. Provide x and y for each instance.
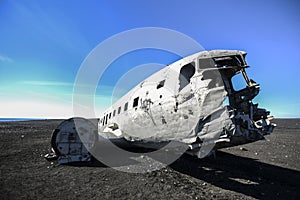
(267, 169)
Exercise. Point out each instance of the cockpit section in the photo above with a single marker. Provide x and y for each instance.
(229, 70)
(248, 122)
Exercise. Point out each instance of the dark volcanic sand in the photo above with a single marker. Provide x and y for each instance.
(265, 170)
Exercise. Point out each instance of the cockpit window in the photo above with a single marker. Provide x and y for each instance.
(205, 63)
(229, 61)
(238, 82)
(186, 73)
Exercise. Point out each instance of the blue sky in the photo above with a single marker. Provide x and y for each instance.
(43, 43)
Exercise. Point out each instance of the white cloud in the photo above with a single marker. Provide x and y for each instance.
(41, 108)
(57, 83)
(47, 83)
(35, 109)
(5, 59)
(50, 100)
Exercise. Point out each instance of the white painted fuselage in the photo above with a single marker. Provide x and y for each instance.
(183, 102)
(168, 105)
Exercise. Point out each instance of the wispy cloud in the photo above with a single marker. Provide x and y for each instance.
(5, 59)
(35, 109)
(56, 83)
(47, 83)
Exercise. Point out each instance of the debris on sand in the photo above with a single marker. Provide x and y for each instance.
(243, 149)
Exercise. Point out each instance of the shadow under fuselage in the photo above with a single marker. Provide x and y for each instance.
(230, 172)
(243, 175)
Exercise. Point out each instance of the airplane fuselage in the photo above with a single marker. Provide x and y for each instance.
(185, 101)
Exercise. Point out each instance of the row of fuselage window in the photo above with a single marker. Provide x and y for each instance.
(114, 113)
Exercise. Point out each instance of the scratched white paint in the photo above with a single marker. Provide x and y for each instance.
(192, 113)
(159, 121)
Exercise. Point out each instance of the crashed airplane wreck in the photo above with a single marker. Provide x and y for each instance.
(192, 101)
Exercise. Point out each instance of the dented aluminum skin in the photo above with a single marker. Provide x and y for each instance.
(186, 102)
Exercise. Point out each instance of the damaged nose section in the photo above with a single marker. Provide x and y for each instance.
(240, 121)
(250, 121)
